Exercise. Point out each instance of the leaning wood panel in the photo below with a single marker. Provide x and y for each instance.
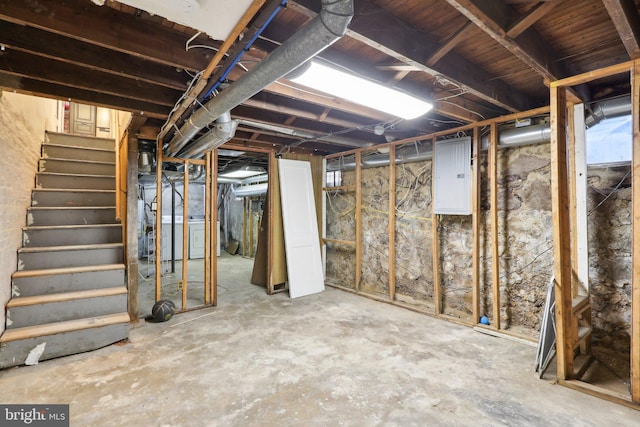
(635, 298)
(392, 223)
(358, 214)
(131, 243)
(475, 223)
(495, 256)
(561, 232)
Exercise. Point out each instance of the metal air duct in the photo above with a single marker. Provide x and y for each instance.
(222, 132)
(608, 109)
(335, 139)
(325, 29)
(250, 190)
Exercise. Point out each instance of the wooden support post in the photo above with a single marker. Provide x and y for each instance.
(475, 224)
(185, 235)
(214, 229)
(435, 243)
(561, 232)
(635, 281)
(358, 213)
(573, 201)
(392, 223)
(495, 255)
(208, 246)
(132, 227)
(158, 237)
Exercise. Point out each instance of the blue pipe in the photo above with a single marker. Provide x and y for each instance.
(246, 49)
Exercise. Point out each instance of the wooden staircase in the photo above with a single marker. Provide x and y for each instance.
(69, 294)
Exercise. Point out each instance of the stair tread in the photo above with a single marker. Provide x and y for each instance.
(75, 175)
(73, 135)
(62, 327)
(78, 160)
(68, 247)
(580, 304)
(48, 144)
(69, 207)
(69, 227)
(66, 270)
(72, 190)
(65, 296)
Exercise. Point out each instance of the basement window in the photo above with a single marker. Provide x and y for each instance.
(609, 141)
(334, 178)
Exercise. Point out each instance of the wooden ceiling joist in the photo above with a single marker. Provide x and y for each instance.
(533, 16)
(106, 27)
(92, 57)
(30, 86)
(530, 47)
(52, 71)
(626, 19)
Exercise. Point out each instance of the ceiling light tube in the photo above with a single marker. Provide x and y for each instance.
(323, 78)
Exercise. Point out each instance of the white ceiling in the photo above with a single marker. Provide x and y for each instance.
(215, 18)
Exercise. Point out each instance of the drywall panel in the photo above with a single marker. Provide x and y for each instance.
(302, 244)
(452, 185)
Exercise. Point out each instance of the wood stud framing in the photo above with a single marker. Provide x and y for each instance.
(562, 240)
(358, 214)
(392, 223)
(635, 291)
(495, 253)
(475, 219)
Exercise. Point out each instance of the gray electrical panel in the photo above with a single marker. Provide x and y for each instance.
(452, 176)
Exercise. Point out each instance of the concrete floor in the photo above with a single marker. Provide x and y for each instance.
(323, 360)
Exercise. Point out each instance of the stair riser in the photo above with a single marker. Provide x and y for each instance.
(39, 314)
(72, 198)
(70, 258)
(14, 353)
(71, 216)
(80, 236)
(76, 141)
(77, 167)
(77, 153)
(85, 182)
(72, 282)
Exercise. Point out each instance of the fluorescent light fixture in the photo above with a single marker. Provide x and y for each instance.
(361, 91)
(244, 172)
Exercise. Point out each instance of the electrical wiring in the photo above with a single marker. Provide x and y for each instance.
(333, 208)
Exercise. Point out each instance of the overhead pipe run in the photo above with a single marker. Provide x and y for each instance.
(335, 139)
(324, 30)
(513, 137)
(223, 131)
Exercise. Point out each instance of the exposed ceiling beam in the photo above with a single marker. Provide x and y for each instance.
(626, 19)
(446, 47)
(52, 71)
(533, 16)
(376, 28)
(496, 17)
(44, 89)
(107, 27)
(49, 45)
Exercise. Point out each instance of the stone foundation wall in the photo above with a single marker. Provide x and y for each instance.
(525, 243)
